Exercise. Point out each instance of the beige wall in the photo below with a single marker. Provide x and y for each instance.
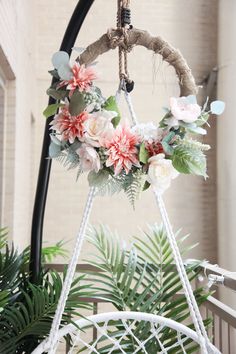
(226, 140)
(17, 62)
(30, 33)
(189, 25)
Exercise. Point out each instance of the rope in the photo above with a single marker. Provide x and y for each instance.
(122, 53)
(131, 109)
(206, 345)
(52, 339)
(193, 307)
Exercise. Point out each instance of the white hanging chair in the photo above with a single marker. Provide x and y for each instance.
(104, 323)
(116, 341)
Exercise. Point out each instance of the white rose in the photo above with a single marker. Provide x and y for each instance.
(89, 158)
(160, 173)
(148, 132)
(183, 109)
(98, 128)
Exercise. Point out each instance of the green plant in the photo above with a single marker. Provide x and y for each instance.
(27, 310)
(143, 279)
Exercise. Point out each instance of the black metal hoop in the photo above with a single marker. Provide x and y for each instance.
(72, 31)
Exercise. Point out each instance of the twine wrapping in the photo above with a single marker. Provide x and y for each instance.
(127, 39)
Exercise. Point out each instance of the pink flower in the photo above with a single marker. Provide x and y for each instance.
(183, 110)
(89, 158)
(82, 78)
(70, 127)
(99, 128)
(122, 150)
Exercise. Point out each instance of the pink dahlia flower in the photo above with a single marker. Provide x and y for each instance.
(122, 150)
(82, 78)
(70, 127)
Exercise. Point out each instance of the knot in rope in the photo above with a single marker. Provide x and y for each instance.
(119, 38)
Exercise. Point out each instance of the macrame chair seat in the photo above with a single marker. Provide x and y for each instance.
(104, 324)
(116, 341)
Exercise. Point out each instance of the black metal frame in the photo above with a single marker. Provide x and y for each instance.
(68, 41)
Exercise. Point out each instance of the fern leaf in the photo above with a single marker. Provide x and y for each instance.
(133, 185)
(194, 144)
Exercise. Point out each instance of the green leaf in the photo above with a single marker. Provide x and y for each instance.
(54, 150)
(65, 72)
(217, 107)
(142, 278)
(111, 105)
(54, 73)
(97, 179)
(202, 119)
(51, 110)
(57, 94)
(189, 161)
(77, 103)
(60, 58)
(146, 186)
(197, 130)
(167, 139)
(143, 154)
(167, 148)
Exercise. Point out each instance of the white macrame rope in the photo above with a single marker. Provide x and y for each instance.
(131, 108)
(193, 307)
(205, 344)
(122, 87)
(52, 339)
(192, 304)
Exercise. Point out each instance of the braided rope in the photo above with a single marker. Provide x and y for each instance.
(193, 307)
(122, 53)
(52, 339)
(205, 343)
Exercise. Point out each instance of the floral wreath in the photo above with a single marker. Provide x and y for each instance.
(88, 134)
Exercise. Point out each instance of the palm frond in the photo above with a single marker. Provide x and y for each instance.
(143, 278)
(3, 237)
(32, 316)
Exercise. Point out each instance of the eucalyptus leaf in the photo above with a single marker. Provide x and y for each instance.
(58, 94)
(189, 161)
(192, 99)
(217, 107)
(197, 130)
(143, 154)
(167, 139)
(187, 125)
(203, 119)
(79, 50)
(111, 105)
(98, 179)
(77, 103)
(54, 73)
(65, 72)
(51, 110)
(167, 148)
(55, 140)
(54, 150)
(60, 58)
